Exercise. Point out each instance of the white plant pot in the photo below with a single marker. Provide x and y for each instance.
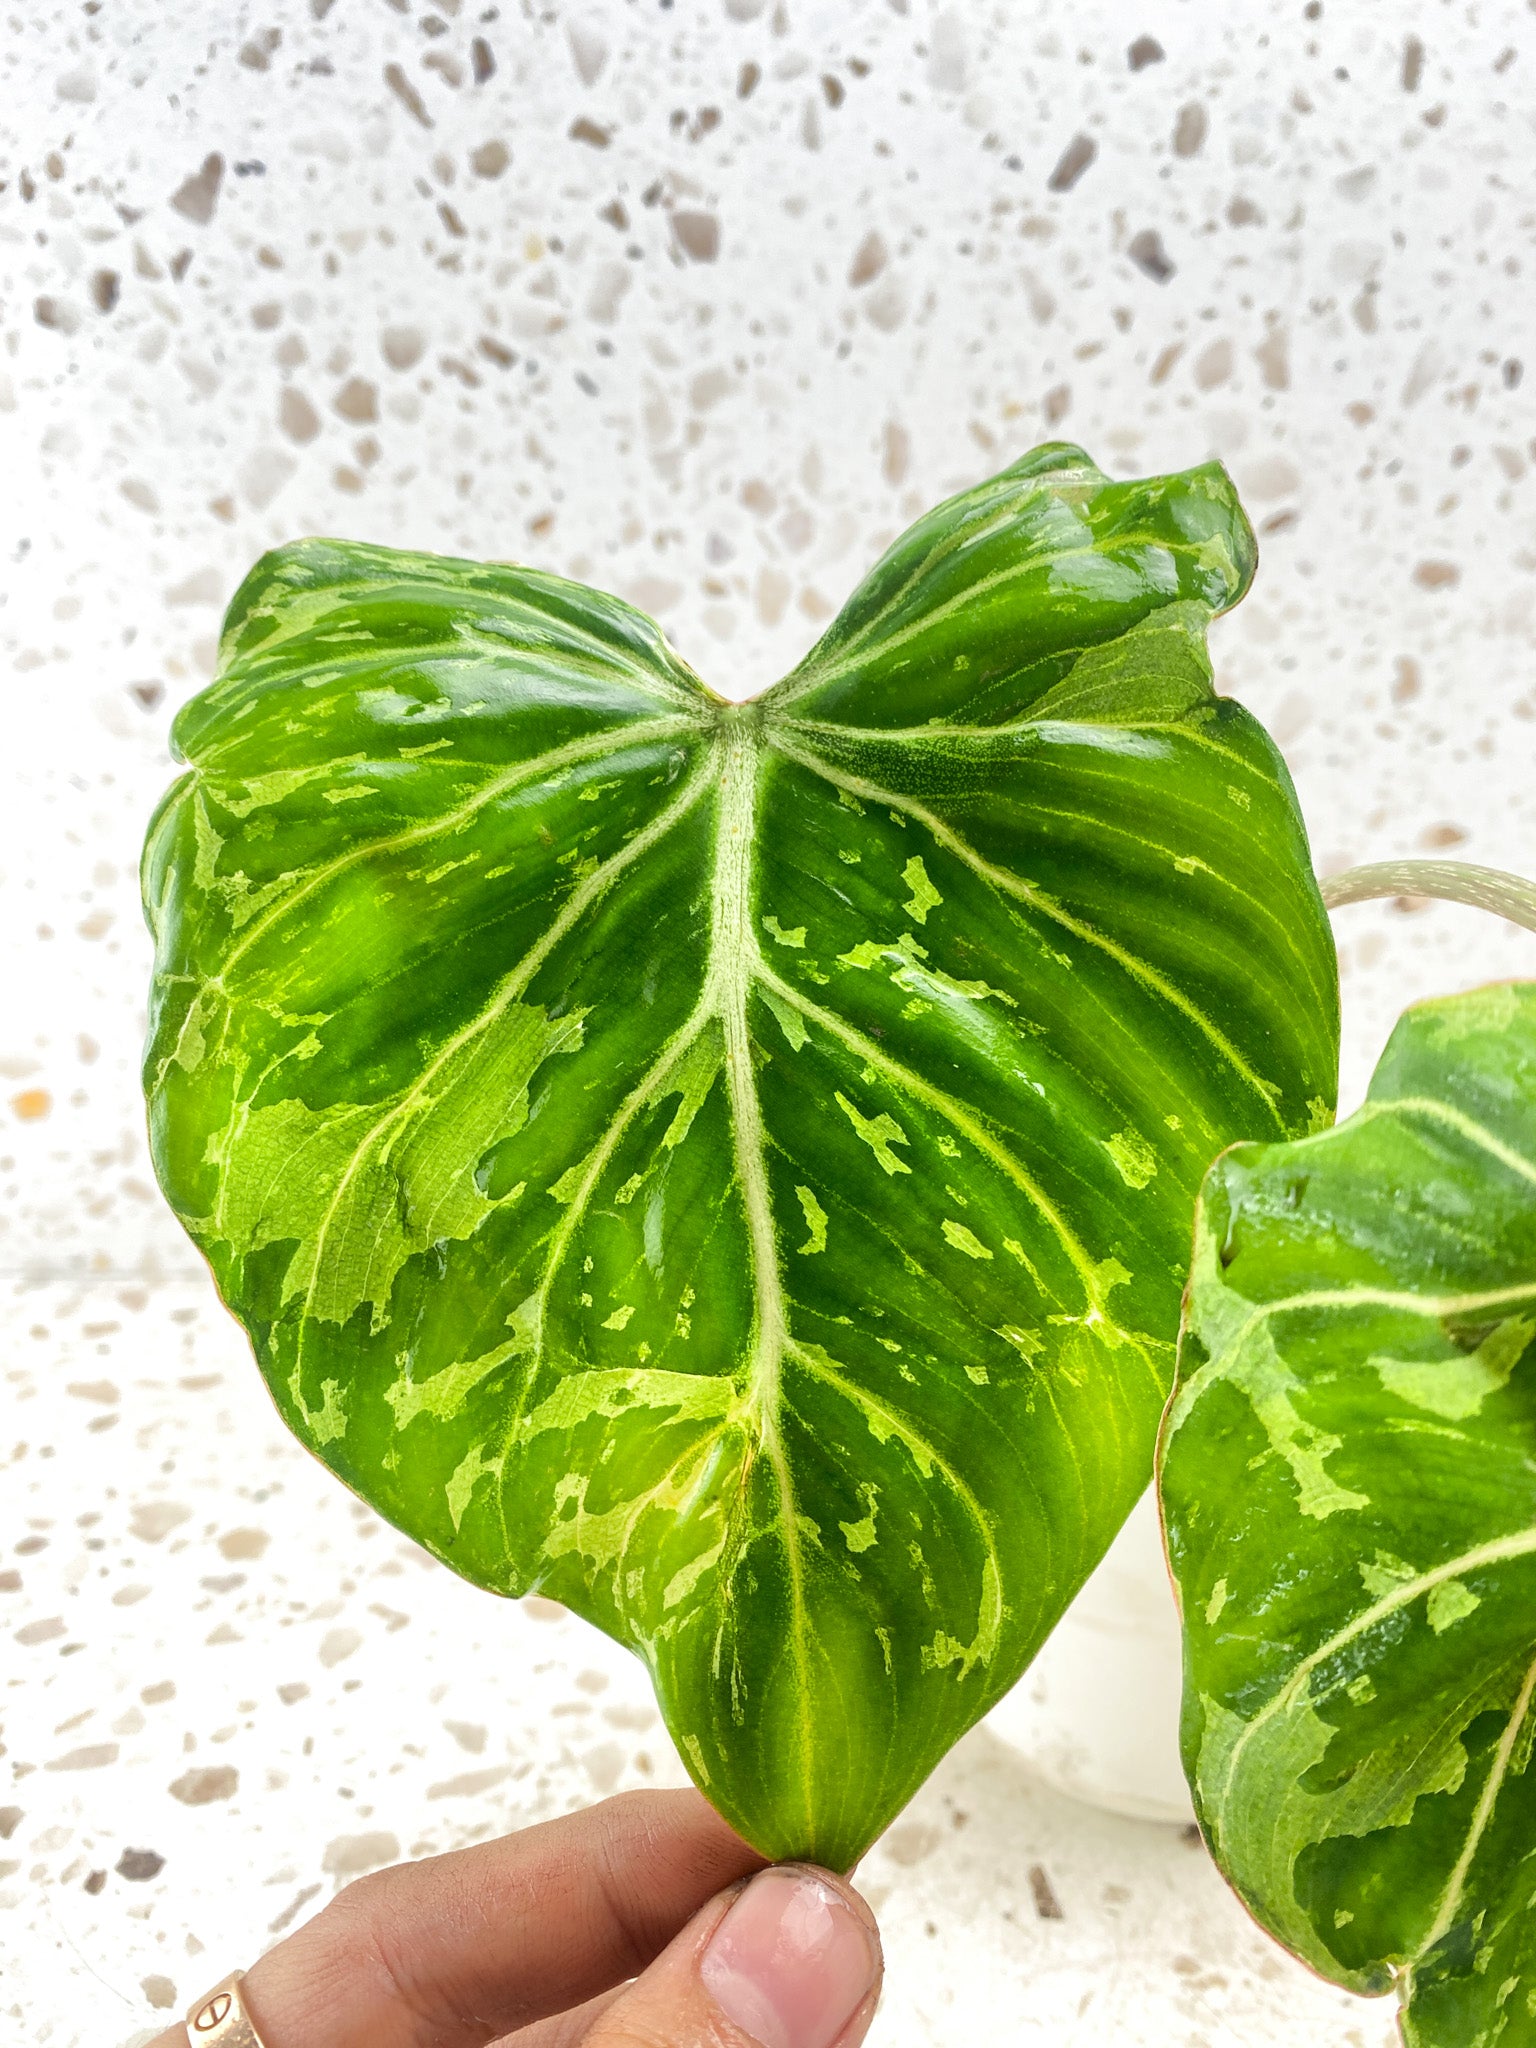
(1097, 1713)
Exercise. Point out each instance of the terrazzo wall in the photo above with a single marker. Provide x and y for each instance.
(702, 301)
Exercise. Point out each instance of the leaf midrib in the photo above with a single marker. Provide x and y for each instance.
(735, 963)
(732, 958)
(744, 738)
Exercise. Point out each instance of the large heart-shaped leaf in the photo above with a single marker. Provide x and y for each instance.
(730, 1167)
(1349, 1486)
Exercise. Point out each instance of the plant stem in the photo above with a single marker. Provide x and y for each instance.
(1455, 881)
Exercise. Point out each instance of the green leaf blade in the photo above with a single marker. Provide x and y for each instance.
(1347, 1479)
(994, 596)
(729, 1168)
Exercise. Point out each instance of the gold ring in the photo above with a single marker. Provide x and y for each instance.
(219, 2018)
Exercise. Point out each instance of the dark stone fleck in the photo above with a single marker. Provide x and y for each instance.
(140, 1865)
(1190, 129)
(697, 235)
(196, 197)
(490, 159)
(406, 94)
(257, 53)
(1146, 251)
(1074, 160)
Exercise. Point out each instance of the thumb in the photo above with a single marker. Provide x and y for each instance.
(790, 1960)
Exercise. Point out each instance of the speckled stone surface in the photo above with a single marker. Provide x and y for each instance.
(703, 302)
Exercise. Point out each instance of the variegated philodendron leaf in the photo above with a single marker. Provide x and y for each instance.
(1349, 1491)
(730, 1167)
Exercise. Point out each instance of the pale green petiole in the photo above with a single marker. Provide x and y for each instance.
(1453, 881)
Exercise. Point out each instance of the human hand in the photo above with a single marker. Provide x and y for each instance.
(530, 1941)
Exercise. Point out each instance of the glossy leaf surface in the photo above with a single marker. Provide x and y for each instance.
(730, 1167)
(1349, 1488)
